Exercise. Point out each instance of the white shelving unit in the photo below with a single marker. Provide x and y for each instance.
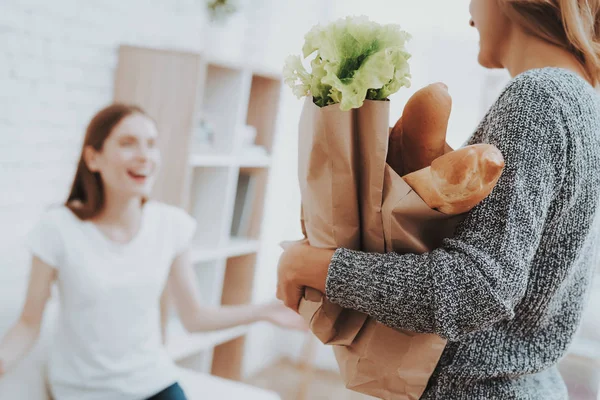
(216, 124)
(235, 247)
(248, 161)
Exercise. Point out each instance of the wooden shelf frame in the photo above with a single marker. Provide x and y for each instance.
(223, 186)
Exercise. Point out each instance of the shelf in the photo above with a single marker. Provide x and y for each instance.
(209, 279)
(237, 289)
(249, 202)
(209, 192)
(181, 344)
(264, 71)
(242, 161)
(254, 162)
(208, 160)
(261, 114)
(224, 103)
(218, 122)
(235, 247)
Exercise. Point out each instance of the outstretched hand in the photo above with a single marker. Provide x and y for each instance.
(278, 314)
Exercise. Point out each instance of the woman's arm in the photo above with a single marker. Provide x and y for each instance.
(24, 333)
(479, 276)
(196, 317)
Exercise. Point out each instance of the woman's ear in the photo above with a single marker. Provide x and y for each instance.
(90, 157)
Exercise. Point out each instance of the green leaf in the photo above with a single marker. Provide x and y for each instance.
(356, 59)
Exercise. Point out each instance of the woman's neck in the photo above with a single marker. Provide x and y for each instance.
(528, 52)
(120, 211)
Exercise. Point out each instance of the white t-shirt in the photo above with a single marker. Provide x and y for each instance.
(107, 343)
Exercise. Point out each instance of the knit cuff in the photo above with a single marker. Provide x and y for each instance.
(345, 280)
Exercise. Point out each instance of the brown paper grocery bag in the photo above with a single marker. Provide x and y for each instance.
(338, 158)
(409, 225)
(389, 364)
(352, 199)
(341, 154)
(329, 322)
(381, 361)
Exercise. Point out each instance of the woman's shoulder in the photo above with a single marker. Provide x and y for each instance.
(58, 222)
(58, 215)
(561, 88)
(529, 112)
(47, 238)
(544, 101)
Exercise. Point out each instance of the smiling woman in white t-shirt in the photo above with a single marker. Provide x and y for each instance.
(112, 252)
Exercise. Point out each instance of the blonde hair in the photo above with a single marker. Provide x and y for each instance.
(571, 24)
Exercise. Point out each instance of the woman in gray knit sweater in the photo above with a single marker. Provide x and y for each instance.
(508, 289)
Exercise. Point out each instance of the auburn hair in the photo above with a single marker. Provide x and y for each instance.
(86, 197)
(571, 24)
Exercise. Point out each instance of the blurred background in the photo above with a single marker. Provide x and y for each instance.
(210, 75)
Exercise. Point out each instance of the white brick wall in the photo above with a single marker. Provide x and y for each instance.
(57, 61)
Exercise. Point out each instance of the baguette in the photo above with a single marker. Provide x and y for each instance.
(419, 136)
(457, 181)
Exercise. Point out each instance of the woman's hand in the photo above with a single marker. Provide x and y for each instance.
(278, 314)
(301, 265)
(196, 317)
(22, 336)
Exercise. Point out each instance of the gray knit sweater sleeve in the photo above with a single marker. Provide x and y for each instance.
(478, 277)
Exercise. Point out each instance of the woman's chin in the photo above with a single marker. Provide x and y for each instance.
(142, 188)
(140, 192)
(488, 62)
(144, 193)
